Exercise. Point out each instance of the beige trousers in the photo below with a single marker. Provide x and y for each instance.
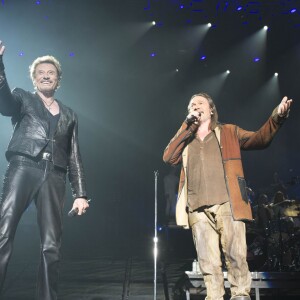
(214, 228)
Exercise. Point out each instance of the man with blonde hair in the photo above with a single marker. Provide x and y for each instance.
(212, 197)
(42, 151)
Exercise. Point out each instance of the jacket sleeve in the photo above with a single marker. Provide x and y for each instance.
(75, 167)
(260, 139)
(172, 153)
(10, 105)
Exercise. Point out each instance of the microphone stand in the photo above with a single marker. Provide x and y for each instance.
(155, 232)
(280, 242)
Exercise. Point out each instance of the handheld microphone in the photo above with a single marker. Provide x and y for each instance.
(74, 212)
(191, 119)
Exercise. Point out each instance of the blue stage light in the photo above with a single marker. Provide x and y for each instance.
(239, 8)
(153, 54)
(293, 10)
(256, 59)
(203, 57)
(21, 53)
(71, 54)
(37, 2)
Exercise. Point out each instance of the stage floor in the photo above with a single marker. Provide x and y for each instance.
(98, 278)
(111, 278)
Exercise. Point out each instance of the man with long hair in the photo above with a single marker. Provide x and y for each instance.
(212, 197)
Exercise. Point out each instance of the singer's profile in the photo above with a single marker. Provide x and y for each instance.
(212, 197)
(43, 150)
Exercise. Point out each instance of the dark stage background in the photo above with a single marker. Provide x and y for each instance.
(119, 75)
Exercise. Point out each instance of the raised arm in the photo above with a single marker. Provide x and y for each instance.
(261, 138)
(2, 74)
(9, 105)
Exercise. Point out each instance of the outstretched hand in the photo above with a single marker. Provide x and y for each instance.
(2, 48)
(284, 106)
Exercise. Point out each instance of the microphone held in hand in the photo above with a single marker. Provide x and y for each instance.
(74, 212)
(191, 119)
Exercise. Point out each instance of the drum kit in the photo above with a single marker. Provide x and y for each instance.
(276, 247)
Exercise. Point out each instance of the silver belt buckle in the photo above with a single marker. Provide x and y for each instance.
(47, 156)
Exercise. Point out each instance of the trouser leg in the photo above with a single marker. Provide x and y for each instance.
(233, 240)
(49, 203)
(19, 187)
(207, 243)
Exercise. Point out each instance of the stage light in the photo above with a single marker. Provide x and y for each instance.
(181, 6)
(209, 25)
(256, 59)
(177, 70)
(266, 27)
(71, 54)
(239, 8)
(293, 10)
(37, 2)
(228, 72)
(153, 54)
(21, 53)
(276, 74)
(153, 23)
(203, 57)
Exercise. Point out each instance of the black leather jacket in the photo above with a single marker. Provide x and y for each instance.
(30, 121)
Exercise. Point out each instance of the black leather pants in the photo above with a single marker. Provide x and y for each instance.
(27, 180)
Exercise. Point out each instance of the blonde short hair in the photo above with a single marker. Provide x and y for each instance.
(48, 59)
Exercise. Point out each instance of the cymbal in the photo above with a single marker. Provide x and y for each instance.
(292, 211)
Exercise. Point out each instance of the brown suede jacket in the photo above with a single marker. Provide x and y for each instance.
(231, 140)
